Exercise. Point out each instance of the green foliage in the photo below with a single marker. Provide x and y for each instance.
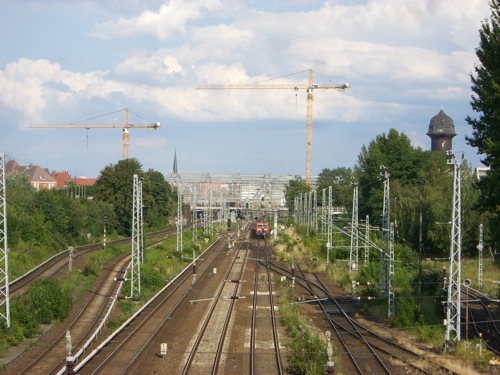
(151, 278)
(43, 223)
(406, 166)
(340, 180)
(160, 198)
(115, 186)
(92, 266)
(294, 189)
(395, 152)
(485, 101)
(48, 300)
(308, 350)
(45, 301)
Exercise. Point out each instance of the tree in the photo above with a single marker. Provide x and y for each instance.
(485, 101)
(395, 152)
(294, 189)
(340, 180)
(115, 186)
(160, 199)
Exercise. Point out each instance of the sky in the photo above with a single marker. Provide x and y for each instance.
(82, 62)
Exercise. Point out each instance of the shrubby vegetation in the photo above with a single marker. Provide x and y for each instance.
(43, 223)
(406, 166)
(308, 350)
(45, 301)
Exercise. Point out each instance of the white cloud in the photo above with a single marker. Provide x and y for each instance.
(158, 66)
(169, 19)
(400, 57)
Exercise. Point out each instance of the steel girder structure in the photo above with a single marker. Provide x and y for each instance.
(4, 263)
(453, 315)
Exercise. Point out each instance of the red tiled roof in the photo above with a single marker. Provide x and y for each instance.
(84, 181)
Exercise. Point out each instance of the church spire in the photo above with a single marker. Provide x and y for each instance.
(174, 168)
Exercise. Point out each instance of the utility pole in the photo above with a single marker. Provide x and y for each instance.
(353, 258)
(315, 211)
(390, 286)
(420, 244)
(386, 216)
(71, 249)
(179, 221)
(135, 282)
(306, 211)
(330, 225)
(453, 314)
(4, 262)
(194, 219)
(367, 239)
(323, 214)
(105, 222)
(480, 247)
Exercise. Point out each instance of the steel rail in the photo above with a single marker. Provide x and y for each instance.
(148, 309)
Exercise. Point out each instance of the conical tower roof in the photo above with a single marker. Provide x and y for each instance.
(441, 124)
(174, 167)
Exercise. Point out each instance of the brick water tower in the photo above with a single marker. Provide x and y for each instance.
(441, 131)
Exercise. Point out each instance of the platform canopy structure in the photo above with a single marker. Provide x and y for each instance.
(264, 192)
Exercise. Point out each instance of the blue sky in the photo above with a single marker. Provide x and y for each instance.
(66, 61)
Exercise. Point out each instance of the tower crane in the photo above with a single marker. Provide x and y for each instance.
(310, 86)
(125, 127)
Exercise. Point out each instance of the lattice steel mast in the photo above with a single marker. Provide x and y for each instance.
(135, 282)
(480, 247)
(390, 286)
(353, 256)
(386, 215)
(454, 283)
(194, 219)
(4, 263)
(367, 240)
(179, 221)
(330, 226)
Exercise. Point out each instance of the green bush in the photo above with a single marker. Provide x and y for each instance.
(48, 300)
(22, 314)
(150, 278)
(92, 266)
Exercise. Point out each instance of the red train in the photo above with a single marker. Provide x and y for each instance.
(260, 229)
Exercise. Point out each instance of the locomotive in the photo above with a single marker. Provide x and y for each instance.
(260, 229)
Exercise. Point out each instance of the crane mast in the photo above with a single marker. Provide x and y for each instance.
(125, 126)
(309, 87)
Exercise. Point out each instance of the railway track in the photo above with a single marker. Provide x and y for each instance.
(58, 263)
(363, 351)
(140, 337)
(82, 326)
(264, 318)
(478, 320)
(207, 347)
(87, 318)
(205, 322)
